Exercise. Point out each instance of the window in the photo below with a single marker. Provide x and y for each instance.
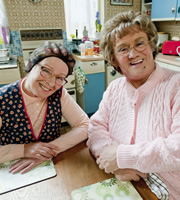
(80, 13)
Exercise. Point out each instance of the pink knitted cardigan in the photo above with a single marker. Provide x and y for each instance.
(146, 123)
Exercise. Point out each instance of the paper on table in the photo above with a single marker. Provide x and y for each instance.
(111, 189)
(9, 182)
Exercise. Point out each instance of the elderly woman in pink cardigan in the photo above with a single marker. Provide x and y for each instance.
(136, 131)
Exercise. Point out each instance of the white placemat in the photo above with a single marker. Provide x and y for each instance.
(110, 189)
(9, 182)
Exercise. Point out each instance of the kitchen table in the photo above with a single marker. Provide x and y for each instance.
(75, 168)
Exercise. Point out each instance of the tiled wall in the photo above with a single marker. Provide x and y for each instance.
(47, 14)
(50, 14)
(24, 14)
(171, 27)
(112, 10)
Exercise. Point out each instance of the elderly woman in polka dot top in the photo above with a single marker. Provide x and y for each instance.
(31, 111)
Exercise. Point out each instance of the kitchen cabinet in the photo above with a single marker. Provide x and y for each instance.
(146, 7)
(9, 72)
(94, 88)
(168, 61)
(165, 10)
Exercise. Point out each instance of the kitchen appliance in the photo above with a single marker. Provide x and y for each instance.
(32, 38)
(9, 72)
(4, 56)
(169, 47)
(76, 42)
(147, 1)
(162, 37)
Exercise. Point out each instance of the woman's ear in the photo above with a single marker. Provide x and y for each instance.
(115, 62)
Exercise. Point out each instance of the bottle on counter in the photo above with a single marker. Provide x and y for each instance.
(76, 33)
(85, 32)
(82, 49)
(89, 48)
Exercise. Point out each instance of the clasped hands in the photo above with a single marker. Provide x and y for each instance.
(34, 154)
(107, 161)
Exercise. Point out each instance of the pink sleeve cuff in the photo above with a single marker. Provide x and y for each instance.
(126, 156)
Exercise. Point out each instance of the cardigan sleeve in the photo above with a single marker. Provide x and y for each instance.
(77, 119)
(98, 134)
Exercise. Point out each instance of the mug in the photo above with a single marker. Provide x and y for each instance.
(177, 50)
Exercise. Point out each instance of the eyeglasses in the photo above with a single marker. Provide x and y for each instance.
(47, 73)
(139, 46)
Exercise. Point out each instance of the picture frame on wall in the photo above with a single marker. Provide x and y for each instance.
(121, 2)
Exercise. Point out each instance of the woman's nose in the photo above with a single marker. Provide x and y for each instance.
(52, 81)
(132, 52)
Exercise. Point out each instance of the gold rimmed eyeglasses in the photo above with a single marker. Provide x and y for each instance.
(125, 50)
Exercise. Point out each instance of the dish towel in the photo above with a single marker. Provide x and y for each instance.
(157, 186)
(80, 77)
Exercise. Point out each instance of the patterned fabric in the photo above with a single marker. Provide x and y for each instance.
(80, 78)
(16, 125)
(110, 189)
(157, 186)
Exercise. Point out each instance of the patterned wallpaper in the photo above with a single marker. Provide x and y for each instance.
(112, 10)
(45, 14)
(171, 27)
(50, 14)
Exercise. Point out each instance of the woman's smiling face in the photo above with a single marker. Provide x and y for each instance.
(137, 66)
(38, 86)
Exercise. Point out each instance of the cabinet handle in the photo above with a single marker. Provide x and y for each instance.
(178, 9)
(93, 64)
(173, 10)
(86, 81)
(113, 72)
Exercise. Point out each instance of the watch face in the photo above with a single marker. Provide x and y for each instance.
(35, 1)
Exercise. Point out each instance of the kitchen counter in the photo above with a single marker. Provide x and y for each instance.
(12, 63)
(169, 59)
(9, 72)
(88, 58)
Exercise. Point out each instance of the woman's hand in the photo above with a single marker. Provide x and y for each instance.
(40, 150)
(24, 165)
(107, 159)
(57, 48)
(129, 174)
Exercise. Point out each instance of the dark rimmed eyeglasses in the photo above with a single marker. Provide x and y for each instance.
(47, 73)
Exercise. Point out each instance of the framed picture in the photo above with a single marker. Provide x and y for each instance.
(121, 2)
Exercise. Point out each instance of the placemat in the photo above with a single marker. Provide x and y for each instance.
(111, 189)
(9, 182)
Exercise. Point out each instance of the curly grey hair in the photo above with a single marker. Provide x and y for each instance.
(121, 25)
(40, 53)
